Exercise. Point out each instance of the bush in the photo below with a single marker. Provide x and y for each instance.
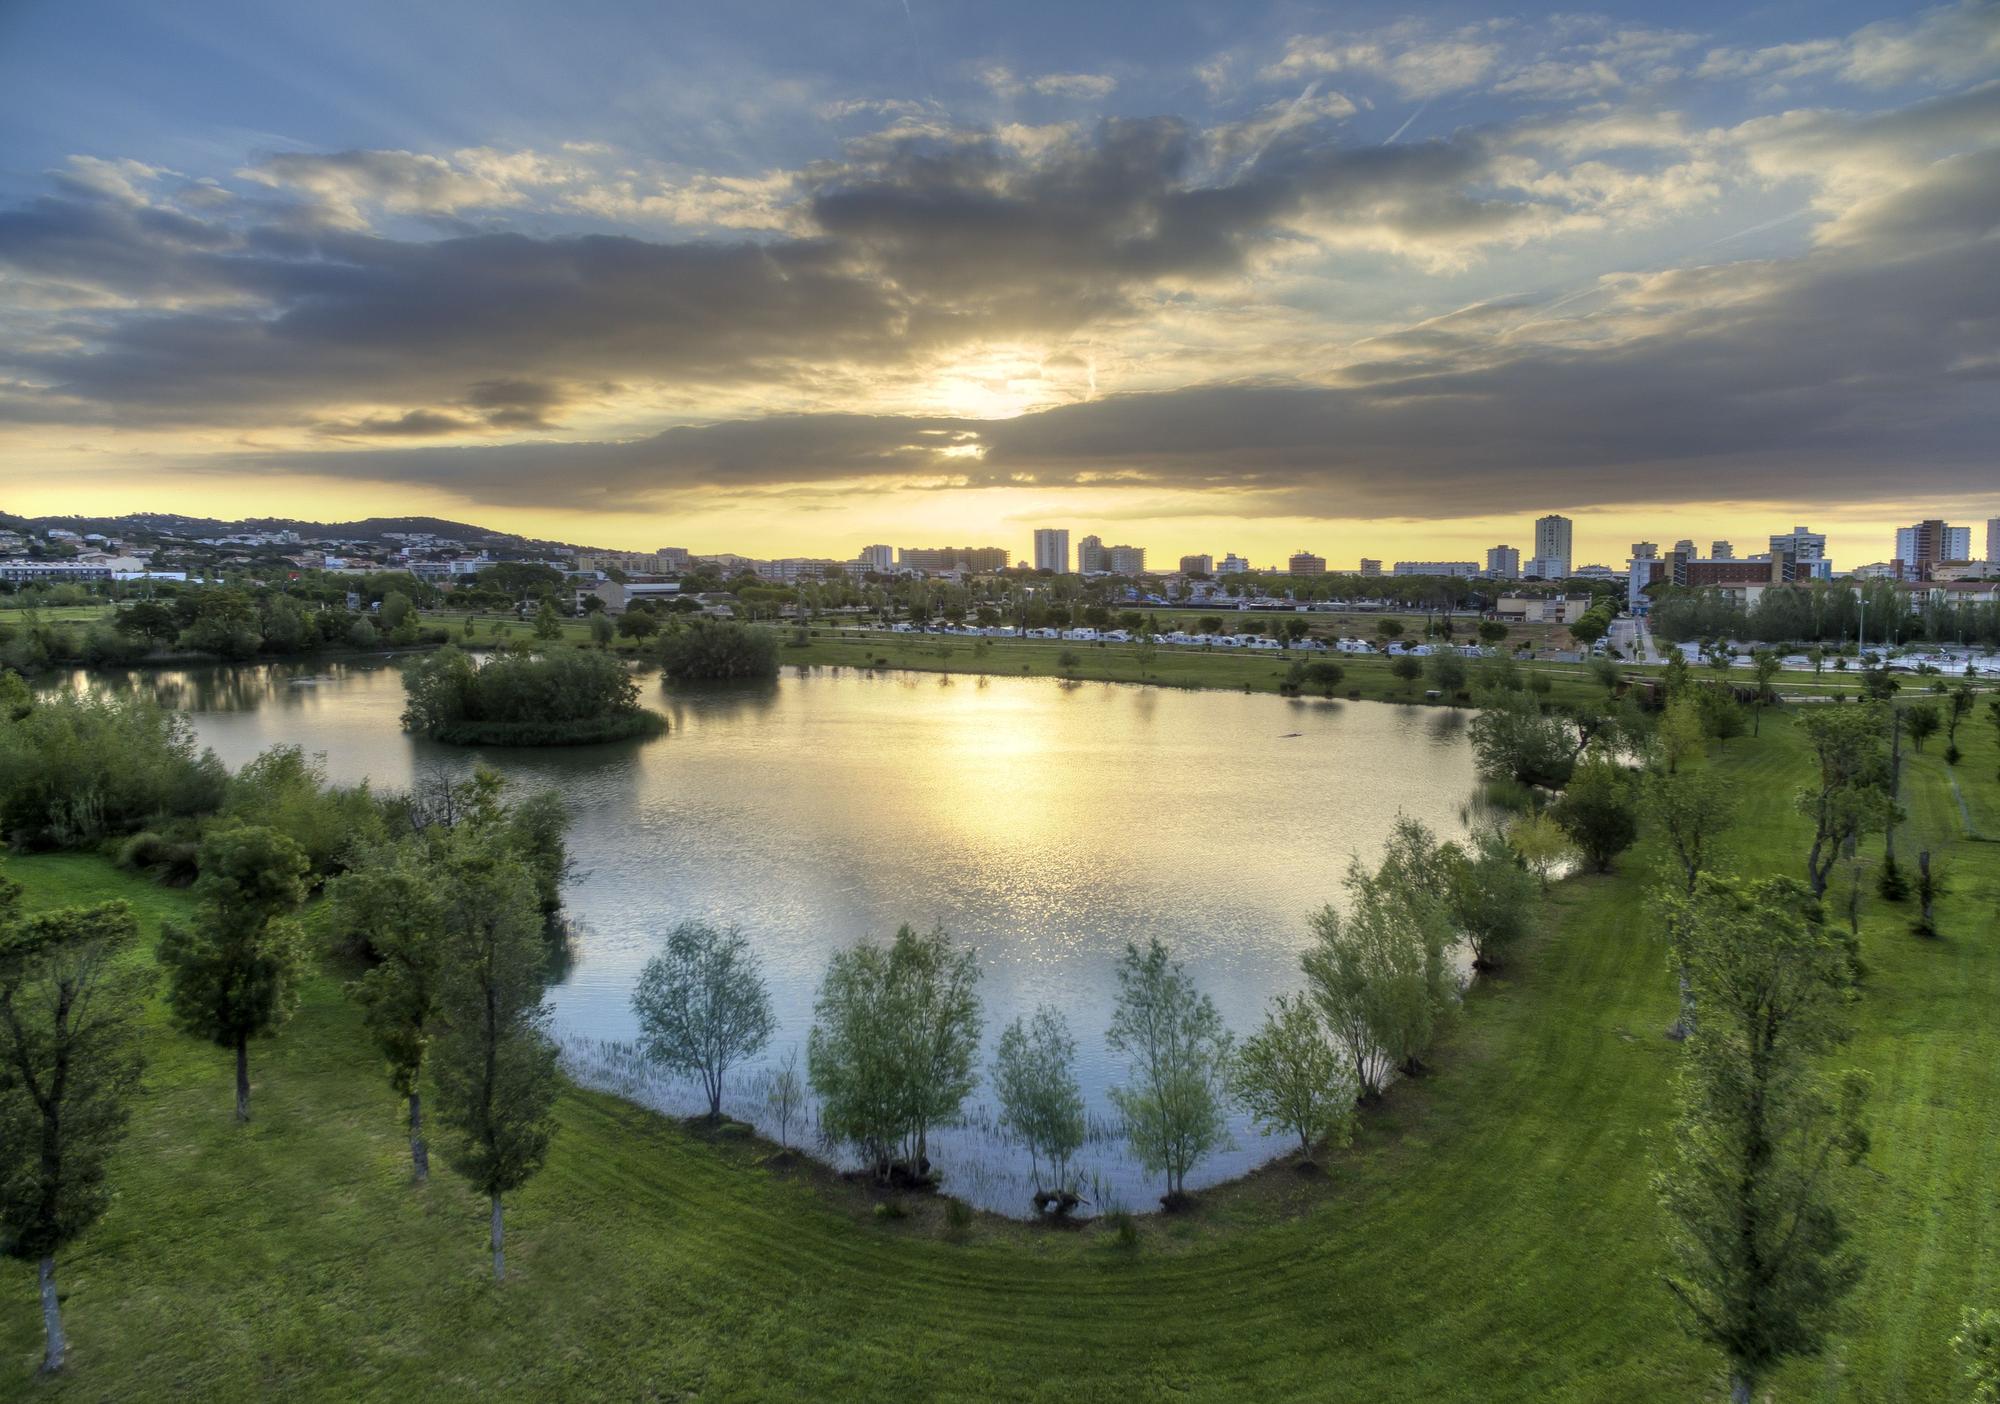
(78, 768)
(171, 860)
(567, 697)
(714, 650)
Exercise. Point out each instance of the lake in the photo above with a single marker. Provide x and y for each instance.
(1046, 824)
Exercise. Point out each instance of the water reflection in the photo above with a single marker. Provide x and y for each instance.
(1046, 823)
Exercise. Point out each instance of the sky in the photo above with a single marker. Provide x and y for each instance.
(788, 279)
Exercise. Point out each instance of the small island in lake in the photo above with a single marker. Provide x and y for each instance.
(565, 697)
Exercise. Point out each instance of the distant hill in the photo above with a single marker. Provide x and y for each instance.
(366, 529)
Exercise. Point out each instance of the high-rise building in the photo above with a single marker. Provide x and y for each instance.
(1808, 552)
(1369, 567)
(1685, 547)
(1639, 573)
(1993, 542)
(1721, 551)
(880, 559)
(1552, 545)
(1233, 564)
(1090, 555)
(1052, 549)
(934, 560)
(1197, 565)
(1306, 563)
(1503, 563)
(1126, 560)
(1461, 569)
(1645, 550)
(1930, 543)
(674, 557)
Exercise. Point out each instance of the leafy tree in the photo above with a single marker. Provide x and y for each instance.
(638, 624)
(69, 1062)
(1958, 706)
(1448, 672)
(1515, 740)
(1324, 675)
(1541, 845)
(703, 650)
(1034, 1078)
(1681, 731)
(1768, 665)
(601, 630)
(494, 1062)
(389, 904)
(1750, 1188)
(79, 766)
(785, 1097)
(150, 620)
(1179, 1054)
(1491, 897)
(702, 1006)
(1850, 794)
(895, 1034)
(1492, 632)
(1408, 667)
(1689, 810)
(1288, 1077)
(1598, 812)
(562, 697)
(396, 608)
(1921, 721)
(548, 625)
(1375, 970)
(233, 975)
(1721, 715)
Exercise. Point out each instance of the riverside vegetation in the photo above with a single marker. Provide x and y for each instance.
(1543, 1121)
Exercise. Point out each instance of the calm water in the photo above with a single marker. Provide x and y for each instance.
(1047, 825)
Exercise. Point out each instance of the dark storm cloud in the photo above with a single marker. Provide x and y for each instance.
(1861, 371)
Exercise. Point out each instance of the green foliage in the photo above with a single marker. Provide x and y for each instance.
(233, 973)
(286, 790)
(1448, 673)
(563, 697)
(495, 1065)
(1541, 845)
(1921, 721)
(716, 650)
(1515, 740)
(702, 1006)
(1681, 732)
(81, 766)
(1689, 810)
(1288, 1077)
(1598, 812)
(1034, 1080)
(1849, 793)
(894, 1037)
(1977, 1346)
(1491, 896)
(1179, 1056)
(1760, 1256)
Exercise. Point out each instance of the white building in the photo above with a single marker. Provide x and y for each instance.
(1052, 549)
(1552, 546)
(1233, 564)
(880, 559)
(1503, 563)
(1808, 548)
(1464, 569)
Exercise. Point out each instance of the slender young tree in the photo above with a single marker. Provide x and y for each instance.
(1289, 1077)
(1034, 1078)
(495, 1064)
(1850, 795)
(389, 903)
(1689, 810)
(69, 1062)
(703, 1007)
(1751, 1187)
(1180, 1056)
(233, 975)
(1492, 897)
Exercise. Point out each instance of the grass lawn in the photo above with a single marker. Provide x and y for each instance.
(1491, 1236)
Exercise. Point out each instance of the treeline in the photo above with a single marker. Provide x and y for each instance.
(562, 697)
(1825, 612)
(448, 897)
(893, 1051)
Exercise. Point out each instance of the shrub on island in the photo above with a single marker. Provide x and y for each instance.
(706, 650)
(566, 697)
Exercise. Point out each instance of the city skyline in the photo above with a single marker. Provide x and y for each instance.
(1226, 279)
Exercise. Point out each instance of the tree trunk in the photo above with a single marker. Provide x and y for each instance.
(52, 1332)
(242, 1077)
(1684, 1025)
(420, 1154)
(499, 1256)
(1924, 884)
(1739, 1388)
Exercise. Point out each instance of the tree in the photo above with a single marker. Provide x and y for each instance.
(494, 1063)
(1408, 667)
(1993, 714)
(1324, 675)
(702, 1006)
(1288, 1077)
(548, 626)
(1921, 721)
(1448, 672)
(1492, 632)
(1721, 715)
(1034, 1079)
(234, 974)
(895, 1034)
(1179, 1054)
(1689, 810)
(1598, 813)
(1850, 794)
(601, 629)
(638, 624)
(1372, 973)
(1767, 664)
(717, 650)
(1515, 740)
(1958, 706)
(69, 1062)
(1541, 845)
(786, 1095)
(1750, 1187)
(388, 904)
(1491, 897)
(1681, 732)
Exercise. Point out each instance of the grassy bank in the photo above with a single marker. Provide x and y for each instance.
(1491, 1236)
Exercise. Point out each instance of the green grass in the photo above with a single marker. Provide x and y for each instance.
(1491, 1236)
